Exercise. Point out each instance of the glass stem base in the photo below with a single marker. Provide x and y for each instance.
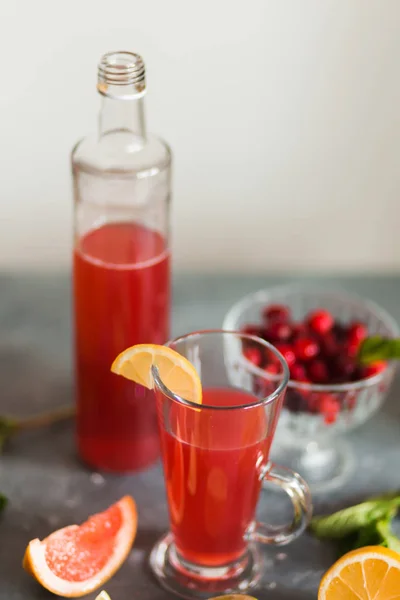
(324, 464)
(190, 581)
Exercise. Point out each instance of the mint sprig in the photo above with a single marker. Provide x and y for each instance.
(9, 427)
(377, 348)
(3, 502)
(364, 524)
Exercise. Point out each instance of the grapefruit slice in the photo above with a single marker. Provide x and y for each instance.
(370, 573)
(176, 372)
(76, 560)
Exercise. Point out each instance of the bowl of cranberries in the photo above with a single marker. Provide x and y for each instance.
(318, 332)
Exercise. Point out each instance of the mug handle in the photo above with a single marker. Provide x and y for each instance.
(300, 495)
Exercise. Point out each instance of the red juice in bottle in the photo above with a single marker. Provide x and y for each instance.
(121, 283)
(121, 271)
(212, 463)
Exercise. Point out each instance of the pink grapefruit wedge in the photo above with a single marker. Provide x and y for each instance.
(76, 560)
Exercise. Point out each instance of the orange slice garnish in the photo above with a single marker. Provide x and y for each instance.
(176, 372)
(370, 573)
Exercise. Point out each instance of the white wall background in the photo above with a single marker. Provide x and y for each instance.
(284, 116)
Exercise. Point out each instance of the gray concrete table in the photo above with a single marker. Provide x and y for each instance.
(47, 486)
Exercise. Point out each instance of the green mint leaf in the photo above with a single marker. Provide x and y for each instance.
(7, 428)
(350, 520)
(3, 502)
(377, 348)
(368, 536)
(393, 495)
(346, 544)
(388, 538)
(377, 533)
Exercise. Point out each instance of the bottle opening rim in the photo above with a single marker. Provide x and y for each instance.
(121, 68)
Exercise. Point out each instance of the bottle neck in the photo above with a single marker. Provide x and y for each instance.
(122, 116)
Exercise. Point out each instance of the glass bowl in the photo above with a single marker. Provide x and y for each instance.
(306, 440)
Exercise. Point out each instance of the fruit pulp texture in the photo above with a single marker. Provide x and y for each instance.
(79, 553)
(121, 298)
(213, 461)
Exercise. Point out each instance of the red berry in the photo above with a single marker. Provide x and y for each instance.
(351, 348)
(330, 418)
(298, 372)
(294, 401)
(343, 368)
(373, 369)
(299, 329)
(253, 355)
(287, 353)
(329, 407)
(312, 402)
(252, 329)
(272, 368)
(329, 346)
(351, 400)
(276, 312)
(320, 321)
(340, 332)
(318, 349)
(357, 332)
(305, 348)
(278, 331)
(318, 372)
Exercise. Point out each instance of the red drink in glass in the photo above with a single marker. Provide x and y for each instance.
(215, 457)
(211, 479)
(121, 298)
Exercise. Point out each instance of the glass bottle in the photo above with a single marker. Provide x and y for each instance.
(121, 268)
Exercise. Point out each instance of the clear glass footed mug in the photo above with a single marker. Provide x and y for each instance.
(215, 458)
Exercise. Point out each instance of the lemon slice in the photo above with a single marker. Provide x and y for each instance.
(370, 573)
(176, 372)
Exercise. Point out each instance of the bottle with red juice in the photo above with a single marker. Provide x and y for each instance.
(121, 268)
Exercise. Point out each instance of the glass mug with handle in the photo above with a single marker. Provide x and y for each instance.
(216, 458)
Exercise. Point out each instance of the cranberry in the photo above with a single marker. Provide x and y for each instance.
(357, 332)
(373, 369)
(330, 418)
(351, 348)
(298, 373)
(340, 332)
(276, 312)
(252, 329)
(305, 348)
(312, 400)
(351, 400)
(320, 321)
(299, 329)
(357, 374)
(318, 371)
(329, 407)
(287, 353)
(294, 401)
(278, 331)
(253, 355)
(318, 349)
(272, 368)
(343, 367)
(329, 346)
